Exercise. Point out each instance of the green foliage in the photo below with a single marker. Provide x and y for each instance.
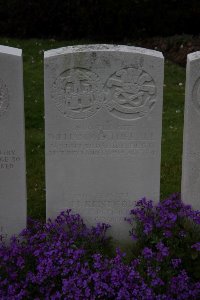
(172, 137)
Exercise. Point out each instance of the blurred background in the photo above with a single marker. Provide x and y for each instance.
(114, 20)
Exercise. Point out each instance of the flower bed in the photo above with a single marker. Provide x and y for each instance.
(64, 259)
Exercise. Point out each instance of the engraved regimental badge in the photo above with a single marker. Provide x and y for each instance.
(78, 93)
(196, 95)
(4, 99)
(130, 93)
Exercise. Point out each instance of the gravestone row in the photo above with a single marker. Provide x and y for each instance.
(103, 123)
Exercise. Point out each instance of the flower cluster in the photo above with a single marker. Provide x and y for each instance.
(44, 257)
(168, 235)
(65, 259)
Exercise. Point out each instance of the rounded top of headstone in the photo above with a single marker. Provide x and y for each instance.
(101, 47)
(193, 56)
(10, 50)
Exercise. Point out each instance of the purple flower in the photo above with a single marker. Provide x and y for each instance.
(65, 259)
(147, 253)
(157, 282)
(163, 251)
(196, 246)
(182, 233)
(176, 262)
(167, 233)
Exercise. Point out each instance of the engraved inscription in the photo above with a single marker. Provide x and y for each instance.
(4, 99)
(78, 93)
(102, 142)
(196, 95)
(109, 206)
(8, 159)
(130, 93)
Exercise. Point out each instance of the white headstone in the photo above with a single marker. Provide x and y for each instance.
(103, 113)
(12, 143)
(191, 138)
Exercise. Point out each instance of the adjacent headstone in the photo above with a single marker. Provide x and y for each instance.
(103, 115)
(12, 143)
(191, 138)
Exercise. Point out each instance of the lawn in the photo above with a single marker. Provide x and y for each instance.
(173, 110)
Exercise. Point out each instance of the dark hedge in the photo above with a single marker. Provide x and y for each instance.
(98, 19)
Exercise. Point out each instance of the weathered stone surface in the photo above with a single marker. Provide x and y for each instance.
(103, 111)
(12, 143)
(191, 137)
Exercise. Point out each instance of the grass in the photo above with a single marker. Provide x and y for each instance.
(34, 117)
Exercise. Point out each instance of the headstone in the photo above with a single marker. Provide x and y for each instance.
(191, 138)
(103, 113)
(12, 143)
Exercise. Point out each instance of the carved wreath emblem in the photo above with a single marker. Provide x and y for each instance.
(130, 93)
(4, 99)
(77, 93)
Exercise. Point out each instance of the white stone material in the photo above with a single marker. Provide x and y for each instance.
(12, 143)
(103, 115)
(191, 137)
